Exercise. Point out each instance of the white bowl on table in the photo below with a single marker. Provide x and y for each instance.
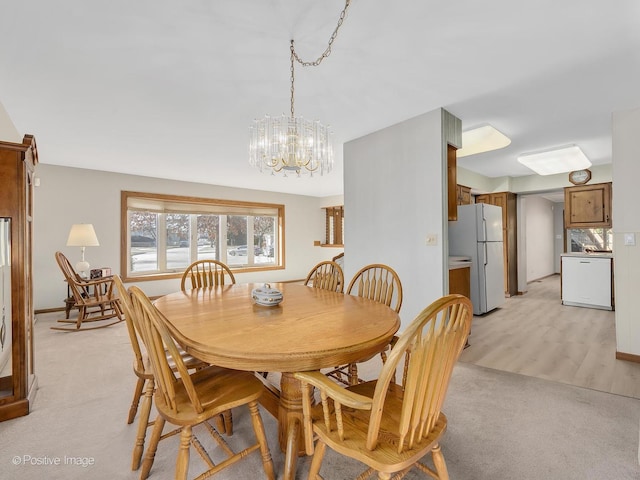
(266, 296)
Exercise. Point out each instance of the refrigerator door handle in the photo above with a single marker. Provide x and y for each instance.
(486, 254)
(484, 230)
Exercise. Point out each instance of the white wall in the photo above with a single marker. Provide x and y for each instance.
(558, 234)
(394, 192)
(539, 237)
(626, 219)
(8, 131)
(72, 195)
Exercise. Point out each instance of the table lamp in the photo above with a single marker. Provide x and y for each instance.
(82, 235)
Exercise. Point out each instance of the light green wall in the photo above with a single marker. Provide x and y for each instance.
(528, 183)
(73, 195)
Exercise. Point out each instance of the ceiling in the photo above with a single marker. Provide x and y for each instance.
(168, 88)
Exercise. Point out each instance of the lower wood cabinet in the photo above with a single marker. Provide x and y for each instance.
(460, 281)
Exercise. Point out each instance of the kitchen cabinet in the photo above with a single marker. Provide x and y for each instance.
(587, 206)
(452, 182)
(463, 195)
(506, 200)
(587, 280)
(460, 277)
(17, 378)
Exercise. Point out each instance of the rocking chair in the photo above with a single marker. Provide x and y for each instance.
(95, 299)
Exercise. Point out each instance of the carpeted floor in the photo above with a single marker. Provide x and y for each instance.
(502, 426)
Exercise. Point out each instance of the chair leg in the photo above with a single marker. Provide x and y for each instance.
(143, 423)
(228, 422)
(316, 461)
(439, 463)
(158, 425)
(222, 428)
(82, 313)
(182, 463)
(353, 374)
(137, 393)
(258, 428)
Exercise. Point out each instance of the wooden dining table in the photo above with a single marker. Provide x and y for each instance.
(311, 329)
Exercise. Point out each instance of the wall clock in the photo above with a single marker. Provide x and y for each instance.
(580, 177)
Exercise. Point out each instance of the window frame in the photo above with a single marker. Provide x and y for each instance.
(239, 208)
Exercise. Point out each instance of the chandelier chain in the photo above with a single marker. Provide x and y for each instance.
(325, 54)
(327, 51)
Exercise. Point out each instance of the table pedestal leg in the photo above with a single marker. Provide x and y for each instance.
(290, 423)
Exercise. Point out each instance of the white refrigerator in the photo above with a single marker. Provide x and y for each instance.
(478, 234)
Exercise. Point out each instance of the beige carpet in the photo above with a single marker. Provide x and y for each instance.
(502, 425)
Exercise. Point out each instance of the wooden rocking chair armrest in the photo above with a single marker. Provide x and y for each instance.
(335, 391)
(96, 281)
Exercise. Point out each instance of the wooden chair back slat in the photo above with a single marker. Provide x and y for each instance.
(326, 275)
(206, 273)
(378, 282)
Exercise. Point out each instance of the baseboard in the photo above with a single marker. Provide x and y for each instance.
(49, 310)
(629, 357)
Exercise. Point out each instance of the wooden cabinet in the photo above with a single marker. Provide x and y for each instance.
(587, 206)
(17, 379)
(460, 281)
(507, 201)
(463, 195)
(452, 182)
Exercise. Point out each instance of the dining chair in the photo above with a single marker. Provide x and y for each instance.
(188, 399)
(326, 275)
(94, 298)
(210, 273)
(206, 273)
(386, 426)
(379, 283)
(142, 369)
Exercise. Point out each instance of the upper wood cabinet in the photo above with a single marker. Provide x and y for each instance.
(587, 206)
(463, 195)
(452, 183)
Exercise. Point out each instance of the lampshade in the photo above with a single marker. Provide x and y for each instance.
(82, 235)
(557, 160)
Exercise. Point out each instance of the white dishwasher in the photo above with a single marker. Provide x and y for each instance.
(586, 281)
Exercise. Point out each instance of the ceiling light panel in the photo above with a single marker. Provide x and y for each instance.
(559, 160)
(482, 139)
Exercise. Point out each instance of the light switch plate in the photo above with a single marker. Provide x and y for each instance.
(629, 238)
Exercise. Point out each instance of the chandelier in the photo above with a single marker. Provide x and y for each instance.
(293, 144)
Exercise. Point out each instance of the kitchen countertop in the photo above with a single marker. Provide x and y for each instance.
(587, 255)
(459, 262)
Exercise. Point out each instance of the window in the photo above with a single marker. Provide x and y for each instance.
(589, 240)
(163, 234)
